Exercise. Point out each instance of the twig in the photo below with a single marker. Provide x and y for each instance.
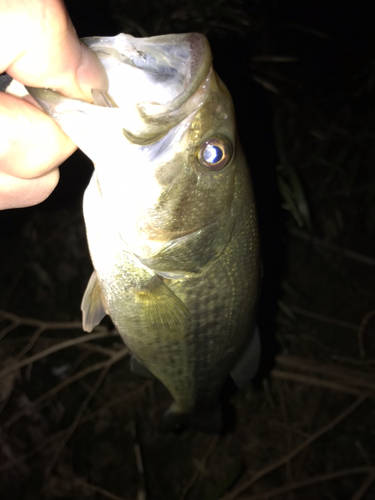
(285, 415)
(99, 348)
(33, 452)
(363, 259)
(365, 485)
(8, 329)
(103, 492)
(309, 426)
(77, 362)
(141, 495)
(47, 325)
(30, 343)
(351, 377)
(266, 84)
(353, 361)
(86, 371)
(305, 379)
(286, 458)
(310, 481)
(361, 331)
(362, 451)
(265, 70)
(198, 471)
(323, 318)
(56, 348)
(278, 59)
(85, 419)
(115, 357)
(77, 418)
(7, 452)
(116, 401)
(292, 429)
(310, 338)
(307, 30)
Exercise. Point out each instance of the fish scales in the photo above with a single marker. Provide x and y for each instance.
(170, 216)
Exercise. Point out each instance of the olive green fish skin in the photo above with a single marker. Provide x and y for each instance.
(174, 244)
(221, 300)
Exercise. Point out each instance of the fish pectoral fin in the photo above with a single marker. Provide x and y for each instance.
(247, 365)
(93, 310)
(163, 310)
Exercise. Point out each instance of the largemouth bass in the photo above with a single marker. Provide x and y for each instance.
(170, 218)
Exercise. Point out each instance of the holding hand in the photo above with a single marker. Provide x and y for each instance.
(39, 48)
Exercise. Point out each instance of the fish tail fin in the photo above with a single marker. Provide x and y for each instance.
(209, 422)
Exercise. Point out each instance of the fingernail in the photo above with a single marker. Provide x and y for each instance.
(91, 74)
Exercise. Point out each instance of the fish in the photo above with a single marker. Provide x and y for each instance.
(170, 219)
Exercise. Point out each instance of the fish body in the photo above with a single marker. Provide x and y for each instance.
(170, 216)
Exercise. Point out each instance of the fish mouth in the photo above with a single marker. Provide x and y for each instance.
(154, 84)
(160, 78)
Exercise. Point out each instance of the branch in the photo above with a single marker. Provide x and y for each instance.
(314, 480)
(103, 492)
(363, 259)
(352, 377)
(201, 469)
(47, 325)
(305, 379)
(68, 434)
(289, 456)
(365, 485)
(323, 318)
(56, 348)
(70, 380)
(87, 418)
(361, 332)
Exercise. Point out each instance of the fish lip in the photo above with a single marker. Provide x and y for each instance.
(187, 55)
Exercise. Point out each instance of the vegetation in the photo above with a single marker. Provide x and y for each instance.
(77, 424)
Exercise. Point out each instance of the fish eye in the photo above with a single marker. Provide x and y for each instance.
(215, 153)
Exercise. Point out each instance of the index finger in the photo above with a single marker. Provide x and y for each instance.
(42, 49)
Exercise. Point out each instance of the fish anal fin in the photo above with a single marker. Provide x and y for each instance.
(247, 365)
(139, 369)
(93, 310)
(163, 310)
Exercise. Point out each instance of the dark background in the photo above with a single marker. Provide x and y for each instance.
(302, 79)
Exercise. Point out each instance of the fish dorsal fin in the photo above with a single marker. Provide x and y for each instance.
(93, 310)
(163, 309)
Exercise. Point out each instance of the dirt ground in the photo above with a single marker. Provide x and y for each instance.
(77, 424)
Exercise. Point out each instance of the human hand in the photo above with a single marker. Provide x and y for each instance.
(39, 48)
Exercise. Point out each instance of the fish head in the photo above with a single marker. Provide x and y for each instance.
(162, 138)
